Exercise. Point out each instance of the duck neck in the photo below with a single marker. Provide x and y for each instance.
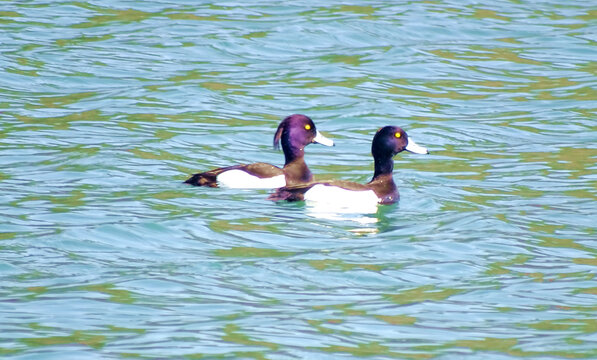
(383, 166)
(297, 172)
(292, 153)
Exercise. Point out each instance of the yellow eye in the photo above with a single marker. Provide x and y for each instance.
(397, 135)
(307, 127)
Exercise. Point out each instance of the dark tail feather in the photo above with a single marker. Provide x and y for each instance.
(209, 178)
(203, 179)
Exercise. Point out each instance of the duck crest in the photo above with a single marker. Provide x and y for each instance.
(293, 146)
(294, 133)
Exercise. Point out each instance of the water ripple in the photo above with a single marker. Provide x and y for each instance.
(107, 108)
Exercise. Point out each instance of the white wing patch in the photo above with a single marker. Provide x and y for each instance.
(242, 180)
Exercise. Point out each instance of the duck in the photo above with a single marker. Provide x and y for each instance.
(294, 133)
(387, 142)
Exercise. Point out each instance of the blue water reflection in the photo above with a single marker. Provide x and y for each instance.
(105, 108)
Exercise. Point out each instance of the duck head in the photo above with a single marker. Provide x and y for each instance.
(294, 133)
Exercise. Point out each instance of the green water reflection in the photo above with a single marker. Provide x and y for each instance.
(106, 108)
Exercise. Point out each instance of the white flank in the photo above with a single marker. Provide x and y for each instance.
(335, 199)
(241, 180)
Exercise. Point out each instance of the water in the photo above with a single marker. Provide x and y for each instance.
(106, 107)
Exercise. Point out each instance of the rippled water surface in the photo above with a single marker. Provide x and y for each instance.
(107, 106)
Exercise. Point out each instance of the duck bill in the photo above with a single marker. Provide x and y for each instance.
(414, 148)
(320, 139)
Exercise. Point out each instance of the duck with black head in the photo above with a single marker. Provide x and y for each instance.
(387, 142)
(294, 133)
